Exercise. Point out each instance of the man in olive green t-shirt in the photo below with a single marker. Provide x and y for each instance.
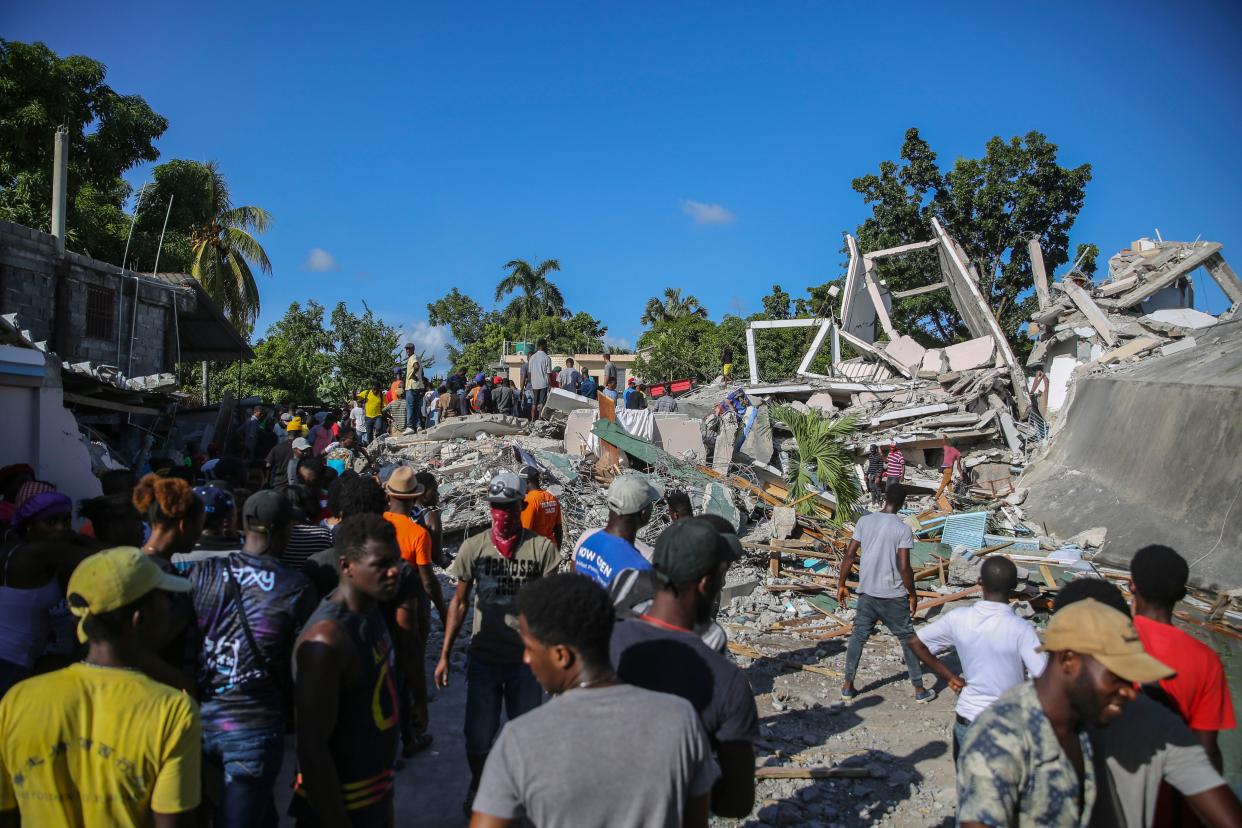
(501, 561)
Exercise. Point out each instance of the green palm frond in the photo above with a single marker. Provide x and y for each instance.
(242, 243)
(250, 219)
(822, 462)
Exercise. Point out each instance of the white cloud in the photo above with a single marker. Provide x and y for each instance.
(320, 261)
(619, 342)
(430, 340)
(707, 213)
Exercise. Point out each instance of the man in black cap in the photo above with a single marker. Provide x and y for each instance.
(250, 609)
(659, 650)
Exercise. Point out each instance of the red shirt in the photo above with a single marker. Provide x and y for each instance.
(951, 456)
(1198, 689)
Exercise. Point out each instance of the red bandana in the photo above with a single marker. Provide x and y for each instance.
(506, 529)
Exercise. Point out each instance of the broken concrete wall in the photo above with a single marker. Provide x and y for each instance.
(1152, 453)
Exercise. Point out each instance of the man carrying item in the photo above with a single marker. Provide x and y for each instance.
(414, 390)
(501, 561)
(885, 588)
(99, 742)
(623, 755)
(993, 644)
(346, 687)
(950, 464)
(601, 554)
(659, 650)
(539, 365)
(250, 610)
(541, 513)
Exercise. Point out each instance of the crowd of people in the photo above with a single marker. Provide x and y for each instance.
(162, 644)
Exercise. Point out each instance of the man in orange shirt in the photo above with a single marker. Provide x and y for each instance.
(413, 540)
(542, 512)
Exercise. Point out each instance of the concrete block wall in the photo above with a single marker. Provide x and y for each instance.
(30, 270)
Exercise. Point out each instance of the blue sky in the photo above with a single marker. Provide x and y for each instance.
(419, 146)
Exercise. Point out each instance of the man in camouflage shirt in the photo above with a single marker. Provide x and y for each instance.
(1026, 760)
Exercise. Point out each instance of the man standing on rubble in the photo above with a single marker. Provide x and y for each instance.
(539, 365)
(950, 464)
(601, 554)
(875, 475)
(610, 371)
(541, 512)
(726, 363)
(885, 588)
(570, 378)
(894, 465)
(993, 645)
(414, 390)
(501, 561)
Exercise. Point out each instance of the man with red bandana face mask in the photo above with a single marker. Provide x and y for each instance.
(500, 561)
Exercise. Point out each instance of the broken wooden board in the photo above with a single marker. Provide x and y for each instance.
(752, 653)
(1092, 311)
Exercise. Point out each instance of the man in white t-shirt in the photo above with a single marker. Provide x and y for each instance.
(993, 644)
(885, 587)
(539, 366)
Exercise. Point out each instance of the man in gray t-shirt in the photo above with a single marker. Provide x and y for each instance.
(885, 588)
(539, 366)
(601, 752)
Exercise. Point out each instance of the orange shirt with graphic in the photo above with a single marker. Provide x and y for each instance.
(542, 513)
(413, 540)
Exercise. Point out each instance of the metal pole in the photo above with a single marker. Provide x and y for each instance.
(133, 319)
(205, 397)
(120, 303)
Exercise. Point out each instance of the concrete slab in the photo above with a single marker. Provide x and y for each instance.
(565, 401)
(1179, 346)
(905, 350)
(933, 363)
(578, 436)
(494, 425)
(1181, 318)
(680, 436)
(974, 353)
(822, 402)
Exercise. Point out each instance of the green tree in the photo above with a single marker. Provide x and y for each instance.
(991, 206)
(464, 317)
(537, 295)
(672, 306)
(364, 350)
(109, 133)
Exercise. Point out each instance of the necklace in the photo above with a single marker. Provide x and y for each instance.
(596, 682)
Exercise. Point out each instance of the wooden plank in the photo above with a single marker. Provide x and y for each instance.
(752, 653)
(1092, 311)
(777, 772)
(1049, 581)
(107, 405)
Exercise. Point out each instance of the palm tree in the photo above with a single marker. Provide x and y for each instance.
(822, 462)
(539, 295)
(672, 307)
(221, 247)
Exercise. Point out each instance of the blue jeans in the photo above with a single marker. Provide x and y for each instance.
(374, 425)
(487, 685)
(414, 409)
(959, 736)
(895, 613)
(251, 760)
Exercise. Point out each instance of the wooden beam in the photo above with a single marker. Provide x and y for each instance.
(108, 405)
(777, 772)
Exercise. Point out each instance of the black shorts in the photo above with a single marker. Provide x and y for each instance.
(540, 395)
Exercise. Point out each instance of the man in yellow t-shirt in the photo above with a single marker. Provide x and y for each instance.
(98, 742)
(373, 406)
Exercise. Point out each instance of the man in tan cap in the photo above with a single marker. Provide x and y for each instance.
(1027, 760)
(99, 742)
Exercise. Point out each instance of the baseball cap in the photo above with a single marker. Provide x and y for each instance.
(688, 550)
(301, 444)
(630, 493)
(113, 579)
(529, 473)
(506, 487)
(266, 510)
(409, 346)
(1107, 635)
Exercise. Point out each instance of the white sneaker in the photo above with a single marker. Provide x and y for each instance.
(408, 431)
